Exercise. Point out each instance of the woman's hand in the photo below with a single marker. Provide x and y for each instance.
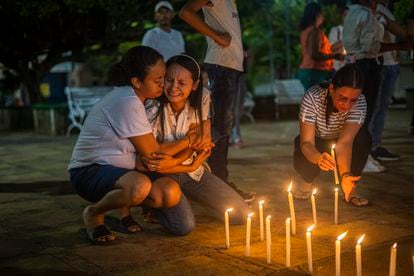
(199, 142)
(326, 162)
(348, 184)
(159, 161)
(200, 158)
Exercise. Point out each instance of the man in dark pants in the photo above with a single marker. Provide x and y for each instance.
(223, 63)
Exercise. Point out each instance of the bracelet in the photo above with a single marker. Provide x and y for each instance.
(346, 174)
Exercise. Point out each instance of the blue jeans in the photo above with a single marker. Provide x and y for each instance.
(389, 77)
(224, 88)
(238, 109)
(212, 193)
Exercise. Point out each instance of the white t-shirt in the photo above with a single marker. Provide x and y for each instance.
(168, 44)
(104, 135)
(176, 128)
(223, 17)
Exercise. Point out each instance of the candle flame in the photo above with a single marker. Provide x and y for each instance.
(250, 215)
(229, 210)
(314, 191)
(288, 220)
(340, 237)
(268, 217)
(394, 245)
(333, 146)
(310, 228)
(336, 190)
(261, 202)
(360, 239)
(290, 186)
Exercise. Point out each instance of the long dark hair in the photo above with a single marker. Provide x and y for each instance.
(196, 97)
(347, 76)
(311, 12)
(135, 63)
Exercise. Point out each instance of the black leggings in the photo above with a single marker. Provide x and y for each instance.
(360, 151)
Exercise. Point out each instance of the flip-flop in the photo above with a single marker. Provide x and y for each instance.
(299, 194)
(96, 236)
(123, 225)
(358, 201)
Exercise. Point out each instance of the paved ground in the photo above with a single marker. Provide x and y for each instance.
(40, 215)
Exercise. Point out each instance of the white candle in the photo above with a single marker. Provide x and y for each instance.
(261, 219)
(358, 256)
(268, 241)
(288, 242)
(336, 168)
(315, 223)
(338, 254)
(309, 248)
(292, 209)
(226, 226)
(393, 259)
(336, 206)
(248, 230)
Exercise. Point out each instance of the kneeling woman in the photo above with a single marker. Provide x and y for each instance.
(183, 108)
(333, 113)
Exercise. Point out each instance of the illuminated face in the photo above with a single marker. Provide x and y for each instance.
(178, 84)
(344, 98)
(153, 84)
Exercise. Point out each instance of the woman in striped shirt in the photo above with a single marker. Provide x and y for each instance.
(333, 113)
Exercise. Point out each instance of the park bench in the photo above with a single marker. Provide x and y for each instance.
(80, 102)
(287, 92)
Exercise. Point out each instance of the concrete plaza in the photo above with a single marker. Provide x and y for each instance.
(40, 215)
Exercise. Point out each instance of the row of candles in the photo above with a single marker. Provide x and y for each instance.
(290, 229)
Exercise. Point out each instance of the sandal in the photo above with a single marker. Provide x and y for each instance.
(124, 225)
(299, 194)
(100, 235)
(358, 201)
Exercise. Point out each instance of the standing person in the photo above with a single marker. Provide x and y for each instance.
(391, 70)
(333, 113)
(185, 104)
(317, 56)
(163, 38)
(362, 38)
(103, 168)
(223, 63)
(335, 38)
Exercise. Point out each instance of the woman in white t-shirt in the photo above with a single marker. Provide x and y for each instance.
(333, 113)
(183, 108)
(103, 166)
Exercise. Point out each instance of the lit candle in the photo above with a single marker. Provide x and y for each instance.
(261, 219)
(336, 168)
(288, 242)
(393, 259)
(292, 209)
(309, 248)
(248, 230)
(358, 256)
(314, 208)
(338, 253)
(226, 226)
(268, 241)
(336, 206)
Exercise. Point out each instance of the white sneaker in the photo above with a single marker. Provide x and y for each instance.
(373, 166)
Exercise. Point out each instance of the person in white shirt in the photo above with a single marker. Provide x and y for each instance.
(335, 38)
(163, 38)
(185, 107)
(224, 64)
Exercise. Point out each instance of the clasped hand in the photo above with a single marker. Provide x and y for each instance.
(326, 162)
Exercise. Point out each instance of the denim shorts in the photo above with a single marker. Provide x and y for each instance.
(93, 182)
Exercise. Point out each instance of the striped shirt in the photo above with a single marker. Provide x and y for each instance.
(313, 111)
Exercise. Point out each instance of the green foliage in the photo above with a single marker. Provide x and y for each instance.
(402, 10)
